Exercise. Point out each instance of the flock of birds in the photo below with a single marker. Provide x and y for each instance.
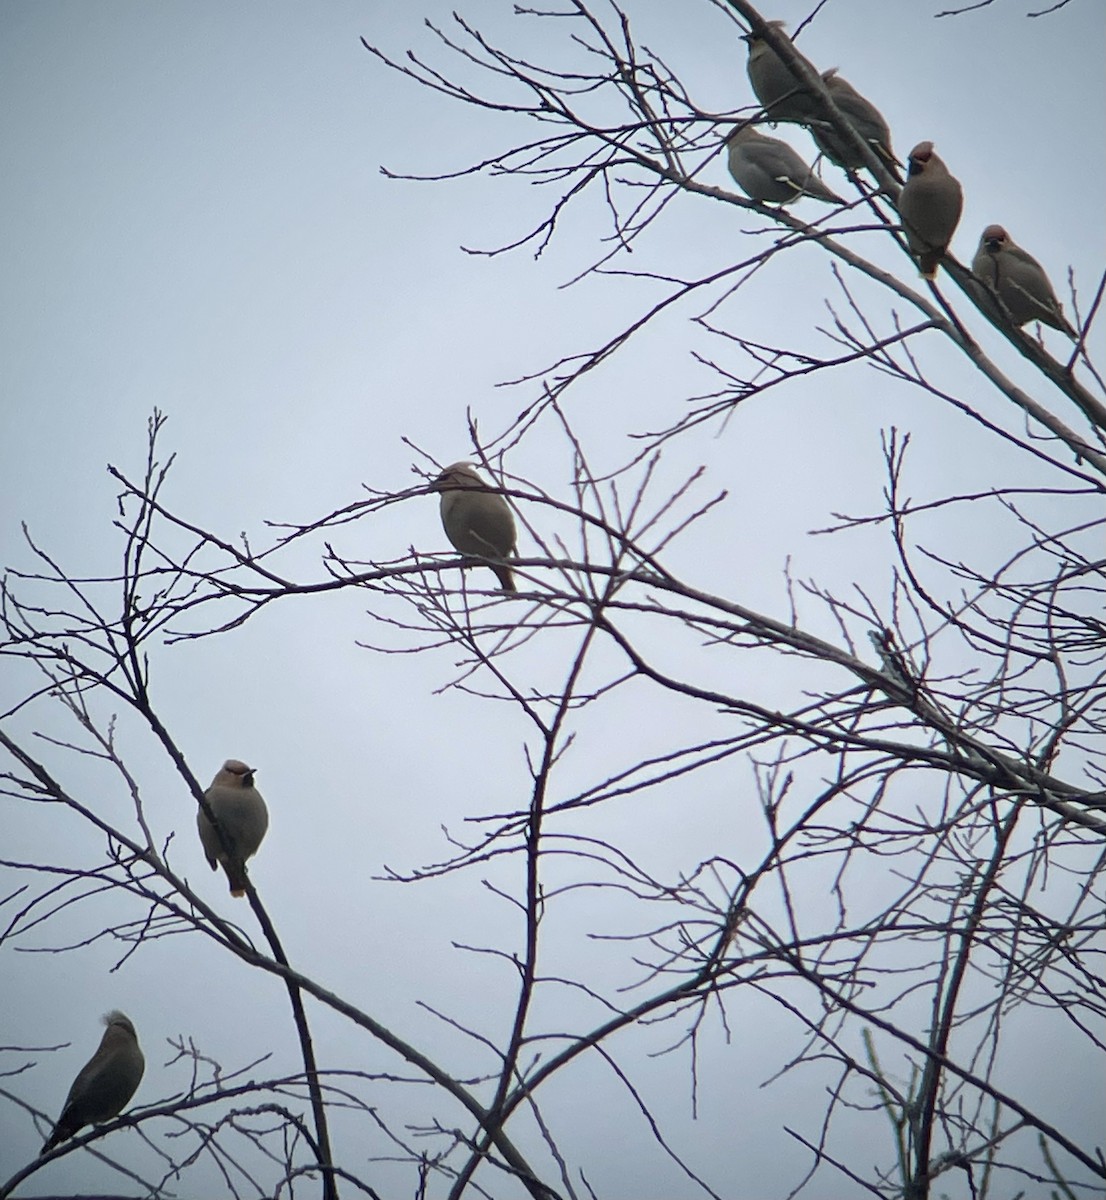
(479, 522)
(930, 202)
(105, 1084)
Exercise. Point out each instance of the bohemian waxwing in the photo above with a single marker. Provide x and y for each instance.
(478, 522)
(770, 171)
(105, 1084)
(1019, 279)
(864, 117)
(243, 820)
(783, 95)
(929, 204)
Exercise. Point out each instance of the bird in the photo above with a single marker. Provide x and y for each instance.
(929, 204)
(477, 521)
(1019, 279)
(782, 93)
(105, 1084)
(864, 117)
(769, 170)
(243, 819)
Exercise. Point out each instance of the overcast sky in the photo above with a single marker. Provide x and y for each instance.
(195, 220)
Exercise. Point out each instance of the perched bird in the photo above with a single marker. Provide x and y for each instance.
(243, 820)
(770, 171)
(1019, 279)
(784, 96)
(105, 1084)
(864, 117)
(477, 521)
(929, 204)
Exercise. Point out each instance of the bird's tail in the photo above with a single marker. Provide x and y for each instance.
(62, 1132)
(505, 576)
(927, 263)
(236, 877)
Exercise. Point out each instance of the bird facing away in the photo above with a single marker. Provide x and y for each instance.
(769, 170)
(783, 95)
(864, 117)
(243, 820)
(929, 204)
(1019, 279)
(478, 522)
(105, 1084)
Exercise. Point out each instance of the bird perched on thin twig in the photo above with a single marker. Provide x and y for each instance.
(105, 1084)
(929, 204)
(243, 819)
(1019, 279)
(478, 521)
(864, 117)
(769, 170)
(782, 93)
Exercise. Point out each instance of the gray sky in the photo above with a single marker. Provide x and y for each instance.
(195, 220)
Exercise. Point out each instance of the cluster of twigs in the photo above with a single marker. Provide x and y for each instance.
(923, 762)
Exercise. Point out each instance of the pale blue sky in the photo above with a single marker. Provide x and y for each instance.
(195, 220)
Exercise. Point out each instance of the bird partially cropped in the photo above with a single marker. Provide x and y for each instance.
(929, 204)
(243, 820)
(769, 170)
(1019, 279)
(864, 117)
(105, 1084)
(784, 96)
(477, 521)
